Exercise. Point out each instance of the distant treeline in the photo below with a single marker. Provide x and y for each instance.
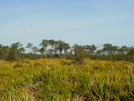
(60, 49)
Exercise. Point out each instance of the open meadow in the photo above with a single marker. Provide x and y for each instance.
(61, 80)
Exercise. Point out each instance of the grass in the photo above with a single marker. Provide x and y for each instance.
(60, 80)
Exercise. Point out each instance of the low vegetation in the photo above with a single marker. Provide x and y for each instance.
(64, 80)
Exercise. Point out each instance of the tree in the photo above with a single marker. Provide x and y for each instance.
(50, 51)
(130, 54)
(11, 55)
(66, 47)
(51, 43)
(41, 50)
(90, 49)
(99, 52)
(44, 43)
(35, 49)
(1, 54)
(60, 46)
(29, 45)
(14, 52)
(4, 51)
(123, 50)
(79, 54)
(109, 49)
(55, 47)
(21, 51)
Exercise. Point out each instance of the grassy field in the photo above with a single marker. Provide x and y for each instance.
(61, 80)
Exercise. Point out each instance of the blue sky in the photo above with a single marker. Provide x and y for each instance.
(83, 22)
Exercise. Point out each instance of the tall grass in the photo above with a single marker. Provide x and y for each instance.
(60, 80)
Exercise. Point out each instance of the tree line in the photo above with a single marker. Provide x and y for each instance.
(60, 49)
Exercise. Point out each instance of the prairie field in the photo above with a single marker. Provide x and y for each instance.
(62, 80)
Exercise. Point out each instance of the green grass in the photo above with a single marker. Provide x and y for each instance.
(60, 80)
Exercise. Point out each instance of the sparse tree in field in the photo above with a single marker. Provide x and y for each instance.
(51, 43)
(109, 49)
(18, 49)
(121, 53)
(11, 55)
(44, 43)
(79, 54)
(34, 53)
(29, 45)
(60, 46)
(41, 50)
(130, 54)
(123, 50)
(50, 52)
(3, 51)
(99, 52)
(90, 49)
(21, 51)
(35, 49)
(66, 47)
(55, 47)
(14, 52)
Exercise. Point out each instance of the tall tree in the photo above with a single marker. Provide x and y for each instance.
(42, 50)
(60, 46)
(44, 43)
(1, 55)
(55, 47)
(109, 49)
(35, 49)
(51, 43)
(79, 54)
(130, 54)
(90, 49)
(29, 45)
(14, 51)
(123, 50)
(66, 47)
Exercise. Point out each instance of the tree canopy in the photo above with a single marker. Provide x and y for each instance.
(60, 49)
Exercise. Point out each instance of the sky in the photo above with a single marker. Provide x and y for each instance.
(83, 22)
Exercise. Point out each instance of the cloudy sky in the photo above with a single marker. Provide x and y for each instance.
(83, 22)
